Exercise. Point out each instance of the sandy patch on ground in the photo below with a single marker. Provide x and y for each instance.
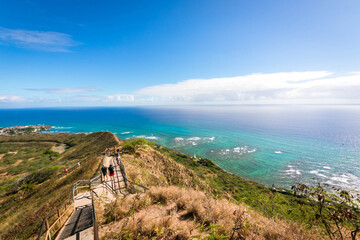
(17, 162)
(60, 149)
(13, 152)
(2, 155)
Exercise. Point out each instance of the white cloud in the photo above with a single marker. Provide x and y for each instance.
(120, 98)
(64, 90)
(11, 98)
(284, 87)
(39, 40)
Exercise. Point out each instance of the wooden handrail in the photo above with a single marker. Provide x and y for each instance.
(45, 222)
(76, 186)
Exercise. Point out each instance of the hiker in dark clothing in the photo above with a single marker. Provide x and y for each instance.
(104, 172)
(111, 171)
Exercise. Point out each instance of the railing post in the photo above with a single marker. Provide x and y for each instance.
(48, 233)
(47, 225)
(58, 212)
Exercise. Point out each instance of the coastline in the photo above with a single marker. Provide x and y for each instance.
(302, 158)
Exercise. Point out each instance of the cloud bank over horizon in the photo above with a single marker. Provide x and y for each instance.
(308, 87)
(317, 87)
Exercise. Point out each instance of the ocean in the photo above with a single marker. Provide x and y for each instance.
(273, 145)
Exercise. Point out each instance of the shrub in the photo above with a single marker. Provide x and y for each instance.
(71, 144)
(130, 145)
(336, 209)
(27, 187)
(51, 152)
(40, 176)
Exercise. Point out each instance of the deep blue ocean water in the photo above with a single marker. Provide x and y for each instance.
(273, 145)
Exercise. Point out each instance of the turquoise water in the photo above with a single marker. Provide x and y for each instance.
(273, 145)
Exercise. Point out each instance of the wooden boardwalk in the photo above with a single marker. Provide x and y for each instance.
(80, 224)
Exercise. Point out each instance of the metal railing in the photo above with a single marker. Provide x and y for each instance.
(79, 186)
(97, 180)
(130, 186)
(134, 187)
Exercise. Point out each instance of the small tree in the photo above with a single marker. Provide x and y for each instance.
(335, 208)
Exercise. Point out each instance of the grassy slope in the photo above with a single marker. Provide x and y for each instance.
(150, 166)
(180, 213)
(155, 166)
(270, 202)
(22, 212)
(160, 166)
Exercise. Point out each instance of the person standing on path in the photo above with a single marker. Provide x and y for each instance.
(104, 172)
(111, 174)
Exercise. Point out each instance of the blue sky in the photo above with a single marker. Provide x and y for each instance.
(116, 53)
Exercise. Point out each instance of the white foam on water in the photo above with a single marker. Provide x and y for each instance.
(179, 139)
(125, 132)
(278, 152)
(59, 127)
(345, 181)
(293, 171)
(326, 167)
(209, 138)
(340, 179)
(147, 137)
(151, 138)
(194, 143)
(194, 139)
(316, 172)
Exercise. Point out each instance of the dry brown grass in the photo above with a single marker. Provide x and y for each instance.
(177, 213)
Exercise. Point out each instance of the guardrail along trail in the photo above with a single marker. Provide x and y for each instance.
(82, 222)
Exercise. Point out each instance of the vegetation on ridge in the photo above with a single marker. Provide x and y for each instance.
(151, 166)
(178, 213)
(40, 191)
(214, 205)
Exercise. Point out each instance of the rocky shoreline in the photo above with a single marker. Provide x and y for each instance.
(20, 130)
